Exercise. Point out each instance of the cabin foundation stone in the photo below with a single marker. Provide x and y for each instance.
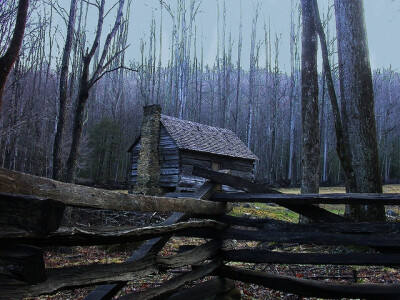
(148, 168)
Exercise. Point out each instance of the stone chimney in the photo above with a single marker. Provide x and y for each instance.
(148, 162)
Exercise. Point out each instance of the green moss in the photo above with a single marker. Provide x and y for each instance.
(261, 210)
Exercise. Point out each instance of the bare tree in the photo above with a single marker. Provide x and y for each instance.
(294, 74)
(249, 120)
(238, 69)
(10, 56)
(309, 99)
(63, 94)
(357, 102)
(87, 81)
(342, 142)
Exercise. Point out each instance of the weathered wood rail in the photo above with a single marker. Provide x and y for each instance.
(31, 209)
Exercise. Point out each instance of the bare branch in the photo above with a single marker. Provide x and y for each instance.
(112, 70)
(107, 43)
(101, 68)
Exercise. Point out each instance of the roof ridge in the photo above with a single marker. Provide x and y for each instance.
(194, 123)
(189, 135)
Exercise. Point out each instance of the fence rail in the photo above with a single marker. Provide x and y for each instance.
(24, 220)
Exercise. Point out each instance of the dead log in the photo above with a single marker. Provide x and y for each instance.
(312, 212)
(190, 257)
(265, 256)
(173, 284)
(243, 221)
(312, 288)
(389, 241)
(106, 235)
(277, 225)
(30, 213)
(306, 199)
(22, 262)
(362, 227)
(213, 287)
(81, 196)
(372, 240)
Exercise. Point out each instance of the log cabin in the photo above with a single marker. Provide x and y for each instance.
(163, 156)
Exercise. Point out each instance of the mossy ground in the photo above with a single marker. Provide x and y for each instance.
(262, 210)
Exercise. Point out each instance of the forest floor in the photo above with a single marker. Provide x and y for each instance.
(343, 274)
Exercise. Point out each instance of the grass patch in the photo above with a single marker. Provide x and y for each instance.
(262, 210)
(389, 188)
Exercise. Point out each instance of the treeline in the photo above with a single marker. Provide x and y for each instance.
(261, 104)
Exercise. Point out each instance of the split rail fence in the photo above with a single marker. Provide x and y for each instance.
(31, 211)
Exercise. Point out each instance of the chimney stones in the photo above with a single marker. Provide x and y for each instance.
(148, 168)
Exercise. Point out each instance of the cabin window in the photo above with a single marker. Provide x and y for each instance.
(216, 166)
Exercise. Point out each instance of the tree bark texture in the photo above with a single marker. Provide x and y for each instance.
(104, 236)
(22, 262)
(36, 215)
(82, 196)
(10, 56)
(357, 104)
(78, 122)
(63, 95)
(309, 104)
(312, 288)
(342, 142)
(309, 100)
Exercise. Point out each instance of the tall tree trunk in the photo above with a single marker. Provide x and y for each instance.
(238, 74)
(309, 99)
(252, 77)
(218, 64)
(293, 94)
(358, 105)
(78, 122)
(10, 56)
(87, 82)
(342, 141)
(63, 96)
(159, 58)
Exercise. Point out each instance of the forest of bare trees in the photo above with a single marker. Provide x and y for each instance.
(99, 101)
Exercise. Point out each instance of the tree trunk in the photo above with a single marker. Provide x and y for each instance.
(358, 105)
(10, 56)
(342, 141)
(309, 102)
(309, 97)
(87, 82)
(238, 76)
(249, 121)
(78, 122)
(57, 148)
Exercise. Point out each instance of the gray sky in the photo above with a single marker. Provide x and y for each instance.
(382, 19)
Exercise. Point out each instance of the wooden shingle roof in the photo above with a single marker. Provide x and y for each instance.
(203, 138)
